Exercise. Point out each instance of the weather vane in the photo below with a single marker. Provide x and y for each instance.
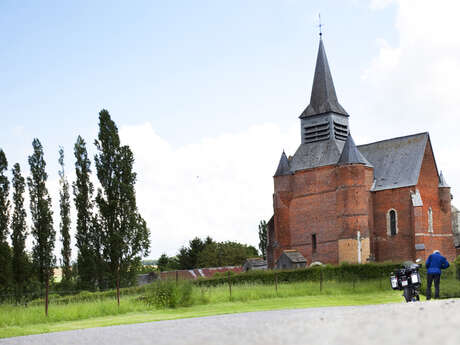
(320, 25)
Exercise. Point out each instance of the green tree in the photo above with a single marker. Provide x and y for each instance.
(125, 233)
(42, 220)
(19, 234)
(263, 238)
(5, 251)
(64, 204)
(163, 262)
(87, 230)
(227, 253)
(187, 257)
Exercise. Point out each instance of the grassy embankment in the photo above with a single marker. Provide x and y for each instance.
(75, 313)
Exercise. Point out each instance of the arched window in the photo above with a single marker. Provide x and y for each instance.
(392, 222)
(430, 220)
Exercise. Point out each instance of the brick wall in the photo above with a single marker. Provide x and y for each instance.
(433, 197)
(402, 245)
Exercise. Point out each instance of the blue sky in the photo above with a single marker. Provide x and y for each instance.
(207, 63)
(208, 93)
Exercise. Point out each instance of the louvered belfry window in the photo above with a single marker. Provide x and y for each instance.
(340, 131)
(317, 132)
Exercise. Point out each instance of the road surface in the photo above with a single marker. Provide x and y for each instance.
(433, 322)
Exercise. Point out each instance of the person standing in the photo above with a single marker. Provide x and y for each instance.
(434, 264)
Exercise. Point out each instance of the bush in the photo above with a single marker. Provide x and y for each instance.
(168, 294)
(457, 267)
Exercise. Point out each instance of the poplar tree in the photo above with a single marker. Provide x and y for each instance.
(126, 236)
(19, 233)
(42, 220)
(64, 205)
(87, 233)
(5, 251)
(263, 238)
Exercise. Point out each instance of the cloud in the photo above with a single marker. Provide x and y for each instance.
(220, 186)
(413, 86)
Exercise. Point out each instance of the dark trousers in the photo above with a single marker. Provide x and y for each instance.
(429, 279)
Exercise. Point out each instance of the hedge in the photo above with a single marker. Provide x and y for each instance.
(343, 272)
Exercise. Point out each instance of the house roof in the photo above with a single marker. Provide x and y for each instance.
(256, 262)
(351, 155)
(396, 161)
(323, 97)
(294, 256)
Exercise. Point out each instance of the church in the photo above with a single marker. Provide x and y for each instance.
(337, 202)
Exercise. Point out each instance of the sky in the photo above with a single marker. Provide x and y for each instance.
(208, 93)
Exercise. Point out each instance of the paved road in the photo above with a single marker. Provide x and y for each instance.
(434, 322)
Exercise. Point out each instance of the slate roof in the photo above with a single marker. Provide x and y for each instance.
(323, 97)
(316, 154)
(283, 166)
(396, 161)
(351, 155)
(252, 263)
(294, 256)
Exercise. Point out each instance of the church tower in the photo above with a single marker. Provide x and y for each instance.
(324, 123)
(322, 193)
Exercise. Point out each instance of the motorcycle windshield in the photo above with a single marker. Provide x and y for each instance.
(409, 264)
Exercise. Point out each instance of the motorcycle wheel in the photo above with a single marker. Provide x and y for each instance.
(407, 294)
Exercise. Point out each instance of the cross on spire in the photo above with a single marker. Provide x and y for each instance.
(320, 26)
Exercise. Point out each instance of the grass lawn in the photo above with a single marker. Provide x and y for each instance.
(16, 321)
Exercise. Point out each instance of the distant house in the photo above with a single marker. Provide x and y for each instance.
(290, 259)
(147, 278)
(197, 273)
(255, 264)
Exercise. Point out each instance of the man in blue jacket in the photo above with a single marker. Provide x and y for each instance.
(434, 264)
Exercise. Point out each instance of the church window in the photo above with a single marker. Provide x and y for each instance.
(313, 243)
(430, 220)
(392, 222)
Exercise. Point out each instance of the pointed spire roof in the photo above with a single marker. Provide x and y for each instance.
(283, 166)
(442, 181)
(323, 97)
(351, 155)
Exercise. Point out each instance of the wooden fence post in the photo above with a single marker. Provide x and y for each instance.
(177, 277)
(276, 282)
(229, 284)
(47, 290)
(321, 280)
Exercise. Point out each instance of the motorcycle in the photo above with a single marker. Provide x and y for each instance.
(408, 280)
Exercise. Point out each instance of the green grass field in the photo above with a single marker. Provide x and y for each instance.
(20, 320)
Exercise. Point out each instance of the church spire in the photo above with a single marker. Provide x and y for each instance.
(351, 155)
(323, 97)
(442, 181)
(283, 166)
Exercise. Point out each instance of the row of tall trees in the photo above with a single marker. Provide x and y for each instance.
(111, 235)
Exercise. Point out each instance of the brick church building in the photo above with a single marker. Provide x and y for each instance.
(334, 201)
